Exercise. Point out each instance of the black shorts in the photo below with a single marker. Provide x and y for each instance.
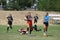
(10, 22)
(35, 21)
(46, 23)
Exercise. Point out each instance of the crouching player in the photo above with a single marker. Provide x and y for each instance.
(28, 18)
(46, 19)
(10, 20)
(23, 30)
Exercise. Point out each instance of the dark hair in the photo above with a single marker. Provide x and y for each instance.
(46, 13)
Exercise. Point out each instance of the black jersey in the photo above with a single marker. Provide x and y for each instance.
(10, 18)
(35, 17)
(28, 17)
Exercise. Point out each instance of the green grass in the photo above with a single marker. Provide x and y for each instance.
(53, 33)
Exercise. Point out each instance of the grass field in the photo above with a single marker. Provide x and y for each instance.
(53, 33)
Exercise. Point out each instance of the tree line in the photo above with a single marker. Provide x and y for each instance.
(43, 5)
(49, 5)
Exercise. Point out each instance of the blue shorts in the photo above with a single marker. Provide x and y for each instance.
(45, 23)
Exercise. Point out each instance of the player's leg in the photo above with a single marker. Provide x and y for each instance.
(31, 29)
(45, 29)
(35, 27)
(11, 25)
(8, 28)
(27, 27)
(23, 32)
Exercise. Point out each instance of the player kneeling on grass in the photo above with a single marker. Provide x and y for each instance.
(23, 30)
(46, 19)
(10, 20)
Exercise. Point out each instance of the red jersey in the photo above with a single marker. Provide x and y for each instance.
(29, 20)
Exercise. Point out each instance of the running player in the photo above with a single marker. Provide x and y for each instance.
(10, 20)
(35, 23)
(35, 19)
(45, 22)
(29, 22)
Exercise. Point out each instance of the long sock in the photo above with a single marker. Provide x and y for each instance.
(11, 27)
(44, 30)
(35, 27)
(7, 29)
(27, 29)
(30, 31)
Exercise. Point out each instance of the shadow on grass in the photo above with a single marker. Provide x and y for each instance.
(32, 35)
(50, 35)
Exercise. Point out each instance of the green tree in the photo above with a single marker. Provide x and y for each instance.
(27, 3)
(0, 2)
(16, 4)
(49, 5)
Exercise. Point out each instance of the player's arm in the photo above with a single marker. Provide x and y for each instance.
(31, 18)
(48, 19)
(12, 18)
(37, 17)
(7, 17)
(25, 19)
